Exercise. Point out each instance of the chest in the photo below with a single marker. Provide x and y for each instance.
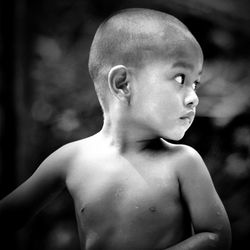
(125, 185)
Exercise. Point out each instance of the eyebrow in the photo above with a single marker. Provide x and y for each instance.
(181, 64)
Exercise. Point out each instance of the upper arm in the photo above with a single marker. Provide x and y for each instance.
(206, 210)
(45, 183)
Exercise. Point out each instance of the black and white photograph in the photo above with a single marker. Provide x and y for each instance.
(124, 125)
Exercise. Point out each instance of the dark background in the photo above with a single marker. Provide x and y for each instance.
(47, 99)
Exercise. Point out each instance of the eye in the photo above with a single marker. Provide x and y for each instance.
(180, 78)
(196, 85)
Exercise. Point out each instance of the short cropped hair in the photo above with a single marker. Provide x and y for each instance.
(128, 38)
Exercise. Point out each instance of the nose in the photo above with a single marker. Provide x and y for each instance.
(191, 99)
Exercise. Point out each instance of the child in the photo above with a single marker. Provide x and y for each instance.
(132, 189)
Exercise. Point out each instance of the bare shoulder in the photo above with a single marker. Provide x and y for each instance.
(189, 155)
(60, 161)
(44, 184)
(188, 160)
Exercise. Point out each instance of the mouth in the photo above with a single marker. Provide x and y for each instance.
(188, 117)
(186, 120)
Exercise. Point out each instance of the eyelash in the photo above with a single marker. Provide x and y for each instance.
(195, 84)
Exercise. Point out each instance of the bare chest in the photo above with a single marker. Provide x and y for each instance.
(125, 193)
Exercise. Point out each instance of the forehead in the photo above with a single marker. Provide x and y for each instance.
(185, 53)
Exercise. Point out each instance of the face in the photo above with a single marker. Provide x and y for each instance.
(164, 101)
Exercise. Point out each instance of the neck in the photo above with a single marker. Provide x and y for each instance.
(125, 134)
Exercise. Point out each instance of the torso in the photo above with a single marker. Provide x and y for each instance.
(128, 201)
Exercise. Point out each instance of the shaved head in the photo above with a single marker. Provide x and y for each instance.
(131, 37)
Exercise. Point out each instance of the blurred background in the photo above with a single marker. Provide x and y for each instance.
(47, 99)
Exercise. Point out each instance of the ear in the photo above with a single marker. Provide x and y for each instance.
(119, 82)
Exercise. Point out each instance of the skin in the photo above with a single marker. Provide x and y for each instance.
(131, 188)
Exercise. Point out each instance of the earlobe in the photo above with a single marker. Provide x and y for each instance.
(118, 80)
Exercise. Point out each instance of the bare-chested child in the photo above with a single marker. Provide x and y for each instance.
(132, 188)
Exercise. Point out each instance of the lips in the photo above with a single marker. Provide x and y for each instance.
(188, 116)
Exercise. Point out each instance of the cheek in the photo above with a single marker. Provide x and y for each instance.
(157, 98)
(166, 103)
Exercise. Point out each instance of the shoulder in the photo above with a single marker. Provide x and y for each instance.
(191, 169)
(60, 161)
(188, 161)
(72, 149)
(184, 152)
(189, 154)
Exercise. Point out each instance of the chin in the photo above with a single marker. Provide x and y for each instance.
(175, 136)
